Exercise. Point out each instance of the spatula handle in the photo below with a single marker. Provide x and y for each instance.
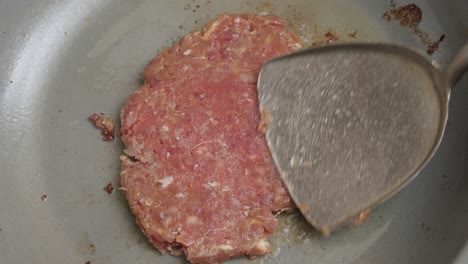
(458, 66)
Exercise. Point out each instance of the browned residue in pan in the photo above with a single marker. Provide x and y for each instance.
(299, 21)
(434, 46)
(108, 188)
(410, 16)
(353, 34)
(362, 217)
(331, 37)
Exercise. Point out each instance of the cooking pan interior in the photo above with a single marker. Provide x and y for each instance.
(63, 60)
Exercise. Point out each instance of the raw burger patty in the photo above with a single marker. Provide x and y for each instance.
(197, 172)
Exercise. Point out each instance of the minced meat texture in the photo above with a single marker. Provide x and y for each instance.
(197, 173)
(106, 124)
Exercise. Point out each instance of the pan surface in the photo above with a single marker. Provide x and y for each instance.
(63, 60)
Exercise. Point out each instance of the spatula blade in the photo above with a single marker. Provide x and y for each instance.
(349, 126)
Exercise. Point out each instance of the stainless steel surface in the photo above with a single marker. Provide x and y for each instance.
(457, 67)
(351, 124)
(62, 60)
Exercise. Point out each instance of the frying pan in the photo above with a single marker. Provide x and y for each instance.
(63, 60)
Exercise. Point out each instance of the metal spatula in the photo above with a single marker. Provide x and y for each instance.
(350, 125)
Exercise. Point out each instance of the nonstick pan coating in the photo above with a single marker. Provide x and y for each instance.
(63, 60)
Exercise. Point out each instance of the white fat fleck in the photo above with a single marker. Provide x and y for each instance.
(213, 121)
(234, 201)
(201, 150)
(297, 45)
(148, 202)
(185, 68)
(226, 247)
(180, 195)
(159, 230)
(168, 154)
(187, 52)
(213, 184)
(210, 29)
(171, 106)
(166, 181)
(263, 245)
(164, 128)
(237, 20)
(196, 166)
(192, 220)
(203, 142)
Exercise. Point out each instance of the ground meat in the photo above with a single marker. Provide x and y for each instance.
(331, 37)
(197, 173)
(106, 124)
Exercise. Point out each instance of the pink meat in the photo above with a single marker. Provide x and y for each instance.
(197, 173)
